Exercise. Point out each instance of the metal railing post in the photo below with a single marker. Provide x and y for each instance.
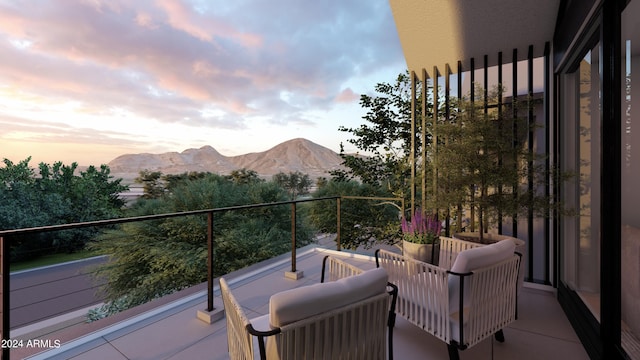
(4, 266)
(293, 237)
(338, 211)
(210, 274)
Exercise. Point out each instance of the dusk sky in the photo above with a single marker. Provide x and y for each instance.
(88, 80)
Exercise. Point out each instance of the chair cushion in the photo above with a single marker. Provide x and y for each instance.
(300, 303)
(472, 259)
(479, 257)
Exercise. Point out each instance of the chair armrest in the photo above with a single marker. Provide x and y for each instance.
(395, 259)
(393, 292)
(261, 335)
(337, 269)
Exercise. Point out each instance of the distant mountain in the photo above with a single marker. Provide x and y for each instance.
(293, 155)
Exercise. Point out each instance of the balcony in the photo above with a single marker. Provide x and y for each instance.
(172, 330)
(169, 328)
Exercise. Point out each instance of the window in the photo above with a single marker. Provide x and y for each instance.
(630, 259)
(580, 146)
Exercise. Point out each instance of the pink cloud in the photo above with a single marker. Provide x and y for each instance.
(181, 18)
(145, 20)
(168, 60)
(347, 96)
(184, 18)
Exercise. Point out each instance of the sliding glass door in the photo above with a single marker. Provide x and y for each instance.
(580, 146)
(630, 254)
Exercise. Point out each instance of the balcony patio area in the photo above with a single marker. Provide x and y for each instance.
(172, 330)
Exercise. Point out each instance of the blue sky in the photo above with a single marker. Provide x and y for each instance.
(88, 80)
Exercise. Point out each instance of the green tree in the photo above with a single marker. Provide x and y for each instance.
(382, 164)
(153, 258)
(57, 195)
(321, 181)
(487, 166)
(244, 176)
(384, 139)
(23, 205)
(363, 222)
(152, 185)
(16, 174)
(173, 181)
(156, 184)
(295, 183)
(105, 201)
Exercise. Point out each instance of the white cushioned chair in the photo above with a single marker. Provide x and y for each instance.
(344, 318)
(464, 304)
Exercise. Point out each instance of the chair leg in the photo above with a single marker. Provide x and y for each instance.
(499, 336)
(390, 334)
(453, 352)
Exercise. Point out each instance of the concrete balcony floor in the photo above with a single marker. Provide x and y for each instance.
(172, 331)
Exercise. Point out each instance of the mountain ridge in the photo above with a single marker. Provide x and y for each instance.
(292, 155)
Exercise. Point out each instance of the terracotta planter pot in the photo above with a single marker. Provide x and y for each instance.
(428, 253)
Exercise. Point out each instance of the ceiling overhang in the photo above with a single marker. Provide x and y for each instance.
(440, 32)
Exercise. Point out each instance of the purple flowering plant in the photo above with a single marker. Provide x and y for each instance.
(421, 229)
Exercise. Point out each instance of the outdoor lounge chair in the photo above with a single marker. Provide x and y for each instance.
(349, 318)
(474, 299)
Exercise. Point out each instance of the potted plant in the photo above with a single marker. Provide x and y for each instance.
(487, 168)
(421, 237)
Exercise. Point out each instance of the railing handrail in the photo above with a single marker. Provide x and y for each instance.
(39, 229)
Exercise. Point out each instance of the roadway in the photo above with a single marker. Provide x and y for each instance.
(51, 291)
